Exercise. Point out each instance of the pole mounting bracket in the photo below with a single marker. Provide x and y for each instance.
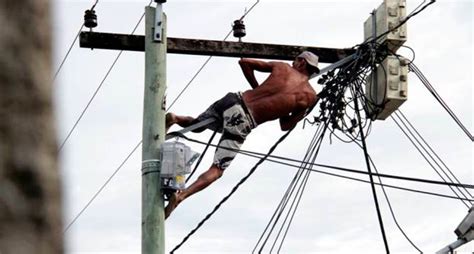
(158, 27)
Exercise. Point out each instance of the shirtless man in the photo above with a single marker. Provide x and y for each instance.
(285, 95)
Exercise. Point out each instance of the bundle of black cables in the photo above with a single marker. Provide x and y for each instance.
(344, 85)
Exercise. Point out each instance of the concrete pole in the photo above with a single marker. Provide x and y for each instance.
(153, 229)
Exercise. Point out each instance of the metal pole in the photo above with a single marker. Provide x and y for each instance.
(153, 230)
(450, 248)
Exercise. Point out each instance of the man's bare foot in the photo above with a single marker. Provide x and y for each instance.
(174, 201)
(170, 120)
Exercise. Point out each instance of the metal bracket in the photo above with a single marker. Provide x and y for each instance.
(151, 166)
(157, 35)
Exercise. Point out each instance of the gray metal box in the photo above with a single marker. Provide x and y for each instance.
(388, 15)
(390, 89)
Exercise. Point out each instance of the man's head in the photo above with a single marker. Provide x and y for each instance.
(307, 61)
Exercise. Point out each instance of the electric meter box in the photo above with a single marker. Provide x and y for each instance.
(388, 15)
(176, 159)
(389, 90)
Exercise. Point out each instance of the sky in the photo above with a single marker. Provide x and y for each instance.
(335, 215)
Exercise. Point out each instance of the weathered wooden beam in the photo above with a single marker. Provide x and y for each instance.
(211, 47)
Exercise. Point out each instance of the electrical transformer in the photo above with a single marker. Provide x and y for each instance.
(388, 89)
(387, 16)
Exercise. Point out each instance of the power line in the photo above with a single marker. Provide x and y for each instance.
(257, 155)
(98, 87)
(252, 170)
(311, 152)
(432, 151)
(349, 170)
(302, 187)
(72, 44)
(101, 188)
(207, 61)
(67, 53)
(435, 94)
(390, 204)
(422, 154)
(366, 155)
(284, 200)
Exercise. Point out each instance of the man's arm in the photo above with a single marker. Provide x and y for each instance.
(250, 65)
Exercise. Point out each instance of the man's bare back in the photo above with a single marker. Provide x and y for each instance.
(286, 94)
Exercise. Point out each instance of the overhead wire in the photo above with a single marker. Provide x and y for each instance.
(208, 59)
(71, 46)
(67, 53)
(101, 188)
(404, 118)
(234, 189)
(276, 159)
(374, 193)
(390, 204)
(280, 207)
(98, 88)
(349, 170)
(298, 196)
(435, 94)
(416, 143)
(297, 182)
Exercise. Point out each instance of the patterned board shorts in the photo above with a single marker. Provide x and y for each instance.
(234, 121)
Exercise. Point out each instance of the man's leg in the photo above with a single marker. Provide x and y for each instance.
(204, 180)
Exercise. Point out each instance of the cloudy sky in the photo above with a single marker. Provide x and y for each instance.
(335, 215)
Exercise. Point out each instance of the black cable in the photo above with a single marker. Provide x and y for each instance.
(299, 194)
(357, 179)
(72, 44)
(432, 151)
(366, 155)
(312, 152)
(207, 60)
(284, 200)
(427, 181)
(202, 156)
(67, 53)
(98, 88)
(435, 94)
(101, 188)
(390, 204)
(427, 152)
(424, 156)
(431, 89)
(252, 170)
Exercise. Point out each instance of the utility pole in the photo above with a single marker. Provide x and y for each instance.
(30, 200)
(156, 48)
(153, 219)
